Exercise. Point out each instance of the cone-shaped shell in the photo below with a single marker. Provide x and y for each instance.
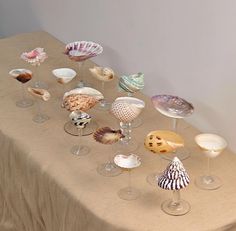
(127, 109)
(79, 119)
(107, 135)
(22, 75)
(163, 141)
(129, 162)
(40, 93)
(64, 75)
(103, 74)
(174, 177)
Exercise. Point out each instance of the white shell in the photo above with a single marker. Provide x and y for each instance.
(131, 161)
(40, 93)
(64, 75)
(212, 144)
(103, 74)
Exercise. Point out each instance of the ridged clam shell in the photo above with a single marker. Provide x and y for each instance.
(132, 83)
(127, 109)
(174, 177)
(163, 141)
(107, 135)
(172, 106)
(64, 75)
(80, 119)
(40, 93)
(103, 74)
(129, 162)
(22, 75)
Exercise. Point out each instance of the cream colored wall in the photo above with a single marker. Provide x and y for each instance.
(184, 47)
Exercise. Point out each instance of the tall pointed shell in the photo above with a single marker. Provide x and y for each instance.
(64, 75)
(103, 74)
(80, 119)
(40, 93)
(129, 162)
(127, 109)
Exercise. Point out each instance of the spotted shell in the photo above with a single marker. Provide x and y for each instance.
(40, 93)
(80, 119)
(22, 75)
(107, 135)
(103, 74)
(163, 141)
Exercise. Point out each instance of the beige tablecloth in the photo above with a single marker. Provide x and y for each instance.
(44, 187)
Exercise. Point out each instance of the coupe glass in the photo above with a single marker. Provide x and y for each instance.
(212, 145)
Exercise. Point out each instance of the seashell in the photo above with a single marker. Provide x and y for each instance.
(86, 91)
(172, 106)
(103, 74)
(130, 161)
(22, 75)
(80, 119)
(132, 83)
(174, 177)
(64, 75)
(39, 92)
(106, 135)
(211, 144)
(82, 50)
(163, 141)
(34, 57)
(127, 109)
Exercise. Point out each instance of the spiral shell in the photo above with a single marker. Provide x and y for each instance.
(40, 93)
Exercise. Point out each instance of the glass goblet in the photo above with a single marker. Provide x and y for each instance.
(212, 145)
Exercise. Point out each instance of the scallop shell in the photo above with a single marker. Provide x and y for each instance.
(174, 177)
(39, 92)
(127, 109)
(107, 135)
(163, 141)
(22, 75)
(80, 119)
(64, 75)
(130, 161)
(172, 106)
(82, 50)
(103, 74)
(34, 57)
(132, 83)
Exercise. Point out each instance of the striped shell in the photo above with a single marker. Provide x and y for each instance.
(40, 93)
(80, 119)
(103, 74)
(22, 75)
(174, 177)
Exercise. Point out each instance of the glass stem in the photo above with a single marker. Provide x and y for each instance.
(39, 111)
(208, 166)
(23, 91)
(79, 139)
(176, 197)
(174, 124)
(129, 178)
(126, 131)
(81, 69)
(103, 101)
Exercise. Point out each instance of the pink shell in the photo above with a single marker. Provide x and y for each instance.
(34, 57)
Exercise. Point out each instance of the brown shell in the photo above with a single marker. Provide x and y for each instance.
(107, 135)
(24, 77)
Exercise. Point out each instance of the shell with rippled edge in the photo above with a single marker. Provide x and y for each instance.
(107, 135)
(104, 74)
(126, 109)
(163, 141)
(64, 75)
(82, 50)
(22, 75)
(128, 162)
(174, 177)
(35, 56)
(132, 83)
(40, 93)
(172, 106)
(80, 119)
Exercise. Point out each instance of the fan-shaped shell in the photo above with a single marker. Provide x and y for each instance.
(40, 93)
(22, 75)
(80, 119)
(34, 57)
(130, 161)
(103, 74)
(127, 109)
(64, 75)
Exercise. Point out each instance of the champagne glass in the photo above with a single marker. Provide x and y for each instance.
(212, 145)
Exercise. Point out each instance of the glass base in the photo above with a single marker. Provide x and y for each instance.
(40, 118)
(39, 84)
(125, 147)
(103, 106)
(208, 182)
(129, 193)
(137, 122)
(24, 103)
(83, 84)
(175, 209)
(109, 169)
(181, 153)
(80, 150)
(72, 129)
(152, 178)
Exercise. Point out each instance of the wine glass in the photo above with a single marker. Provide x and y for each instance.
(212, 145)
(132, 84)
(174, 178)
(35, 57)
(175, 108)
(79, 51)
(40, 95)
(128, 163)
(103, 74)
(161, 142)
(80, 120)
(23, 76)
(107, 136)
(126, 109)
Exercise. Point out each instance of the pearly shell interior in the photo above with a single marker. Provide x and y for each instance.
(129, 162)
(64, 75)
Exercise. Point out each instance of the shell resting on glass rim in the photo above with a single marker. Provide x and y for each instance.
(22, 75)
(40, 93)
(64, 75)
(80, 119)
(129, 162)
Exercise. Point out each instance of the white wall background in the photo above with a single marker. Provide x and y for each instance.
(184, 47)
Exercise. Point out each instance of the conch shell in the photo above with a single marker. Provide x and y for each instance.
(103, 74)
(106, 135)
(80, 119)
(39, 92)
(22, 75)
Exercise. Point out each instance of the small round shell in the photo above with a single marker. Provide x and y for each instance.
(40, 93)
(103, 74)
(22, 75)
